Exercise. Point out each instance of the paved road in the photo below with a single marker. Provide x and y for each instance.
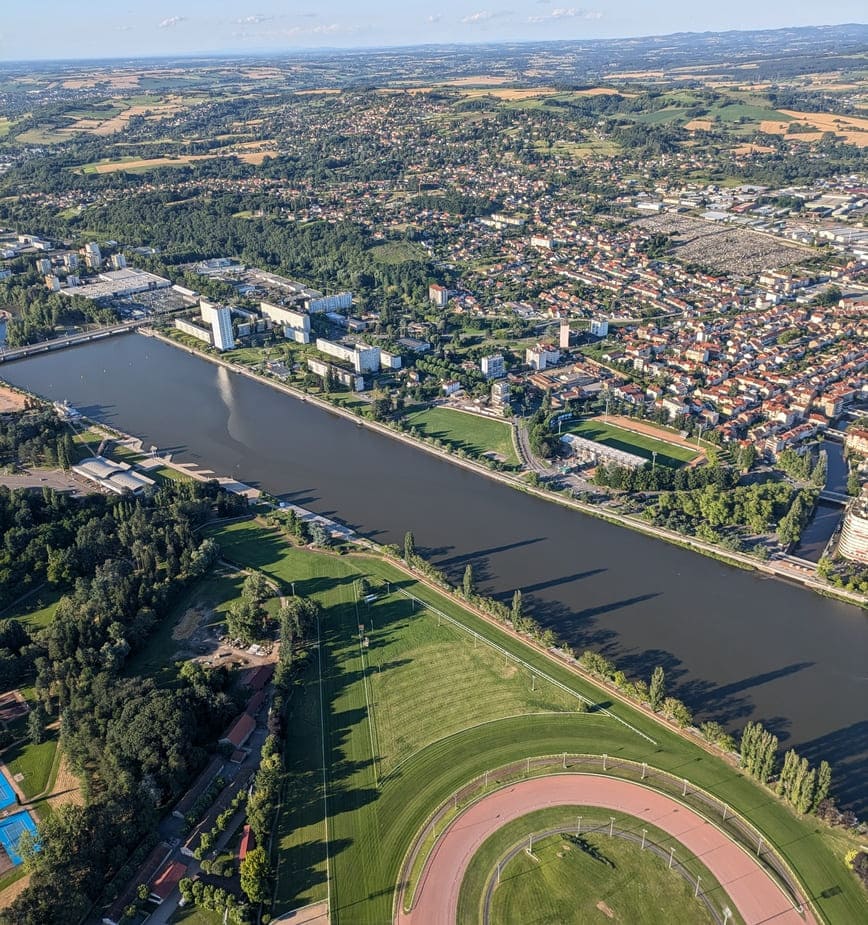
(751, 890)
(57, 479)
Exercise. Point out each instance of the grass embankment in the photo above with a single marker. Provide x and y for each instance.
(668, 454)
(476, 435)
(373, 819)
(565, 884)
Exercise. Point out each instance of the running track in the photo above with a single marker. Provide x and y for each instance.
(756, 896)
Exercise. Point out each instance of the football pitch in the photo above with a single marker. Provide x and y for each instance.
(668, 454)
(381, 734)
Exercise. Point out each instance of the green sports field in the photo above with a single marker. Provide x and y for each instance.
(476, 435)
(572, 882)
(668, 454)
(370, 760)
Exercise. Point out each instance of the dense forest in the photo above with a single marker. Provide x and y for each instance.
(122, 562)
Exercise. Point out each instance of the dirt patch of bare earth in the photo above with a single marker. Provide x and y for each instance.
(13, 891)
(11, 400)
(67, 788)
(188, 623)
(605, 909)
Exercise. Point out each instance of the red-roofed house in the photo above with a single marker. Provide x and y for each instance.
(166, 881)
(239, 732)
(247, 842)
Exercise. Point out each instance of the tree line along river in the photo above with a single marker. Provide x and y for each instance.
(735, 645)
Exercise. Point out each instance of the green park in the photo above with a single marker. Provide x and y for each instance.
(409, 695)
(477, 436)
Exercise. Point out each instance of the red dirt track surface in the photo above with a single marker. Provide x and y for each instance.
(753, 892)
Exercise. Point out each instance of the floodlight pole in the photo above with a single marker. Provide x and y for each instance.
(671, 856)
(644, 833)
(579, 826)
(611, 826)
(696, 891)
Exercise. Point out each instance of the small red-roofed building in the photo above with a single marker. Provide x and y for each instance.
(239, 732)
(166, 881)
(247, 842)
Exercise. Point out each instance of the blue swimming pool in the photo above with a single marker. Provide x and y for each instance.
(7, 794)
(11, 830)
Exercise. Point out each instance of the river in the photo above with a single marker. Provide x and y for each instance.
(735, 645)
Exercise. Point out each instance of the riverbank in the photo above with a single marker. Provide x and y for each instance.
(781, 569)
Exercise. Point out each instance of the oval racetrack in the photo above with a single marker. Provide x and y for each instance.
(752, 891)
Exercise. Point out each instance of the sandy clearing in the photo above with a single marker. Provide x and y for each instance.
(751, 890)
(11, 400)
(698, 125)
(317, 913)
(67, 787)
(12, 892)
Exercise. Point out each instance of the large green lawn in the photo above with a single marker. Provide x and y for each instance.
(476, 435)
(565, 883)
(337, 739)
(34, 762)
(668, 454)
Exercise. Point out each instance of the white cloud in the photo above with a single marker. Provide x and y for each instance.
(253, 20)
(570, 12)
(482, 16)
(435, 17)
(172, 21)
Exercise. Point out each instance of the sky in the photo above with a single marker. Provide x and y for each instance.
(120, 28)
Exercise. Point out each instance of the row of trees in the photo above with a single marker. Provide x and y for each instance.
(662, 478)
(805, 788)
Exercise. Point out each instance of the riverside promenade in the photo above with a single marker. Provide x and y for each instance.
(783, 568)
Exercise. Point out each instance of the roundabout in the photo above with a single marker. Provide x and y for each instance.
(751, 890)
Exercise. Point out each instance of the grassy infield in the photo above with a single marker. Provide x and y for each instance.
(401, 724)
(564, 884)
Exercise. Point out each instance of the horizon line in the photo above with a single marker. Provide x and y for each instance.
(333, 49)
